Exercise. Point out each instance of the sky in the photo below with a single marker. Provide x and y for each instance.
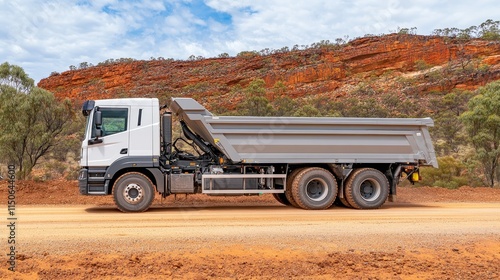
(45, 36)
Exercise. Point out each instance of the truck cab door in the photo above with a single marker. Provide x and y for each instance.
(113, 141)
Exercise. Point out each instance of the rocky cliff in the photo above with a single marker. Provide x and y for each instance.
(407, 64)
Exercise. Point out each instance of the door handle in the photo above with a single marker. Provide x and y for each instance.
(124, 151)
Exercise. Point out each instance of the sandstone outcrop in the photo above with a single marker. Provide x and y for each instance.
(328, 70)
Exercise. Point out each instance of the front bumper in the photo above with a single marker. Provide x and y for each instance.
(92, 182)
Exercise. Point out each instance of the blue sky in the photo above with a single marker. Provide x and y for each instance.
(50, 35)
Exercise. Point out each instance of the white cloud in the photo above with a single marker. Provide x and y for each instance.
(273, 24)
(56, 34)
(49, 35)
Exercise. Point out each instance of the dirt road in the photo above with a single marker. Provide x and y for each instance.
(399, 241)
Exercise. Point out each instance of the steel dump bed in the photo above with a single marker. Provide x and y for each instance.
(311, 140)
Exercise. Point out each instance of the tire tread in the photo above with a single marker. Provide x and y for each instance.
(288, 191)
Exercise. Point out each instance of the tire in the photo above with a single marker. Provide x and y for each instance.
(366, 188)
(314, 188)
(281, 198)
(133, 192)
(342, 201)
(288, 191)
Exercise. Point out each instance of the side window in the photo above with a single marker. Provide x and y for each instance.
(114, 120)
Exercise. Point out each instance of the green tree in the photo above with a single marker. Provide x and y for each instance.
(482, 122)
(364, 108)
(448, 125)
(490, 30)
(13, 76)
(33, 121)
(451, 174)
(278, 90)
(307, 110)
(284, 106)
(256, 103)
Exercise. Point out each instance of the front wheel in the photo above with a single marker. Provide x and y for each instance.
(366, 188)
(314, 188)
(133, 192)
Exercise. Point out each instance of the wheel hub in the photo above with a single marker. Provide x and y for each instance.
(317, 189)
(370, 190)
(367, 190)
(133, 193)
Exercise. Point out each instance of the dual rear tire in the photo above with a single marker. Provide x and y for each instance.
(366, 188)
(316, 188)
(309, 188)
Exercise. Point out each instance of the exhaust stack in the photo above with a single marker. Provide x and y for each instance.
(167, 133)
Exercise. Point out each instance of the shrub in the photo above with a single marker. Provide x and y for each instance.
(422, 65)
(451, 174)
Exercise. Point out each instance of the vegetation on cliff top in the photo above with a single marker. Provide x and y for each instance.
(488, 30)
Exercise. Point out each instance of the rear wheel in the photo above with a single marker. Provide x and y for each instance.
(288, 191)
(342, 201)
(133, 192)
(281, 198)
(314, 188)
(366, 188)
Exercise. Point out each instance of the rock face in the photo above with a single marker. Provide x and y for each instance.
(330, 70)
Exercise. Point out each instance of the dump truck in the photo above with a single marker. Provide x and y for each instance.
(129, 152)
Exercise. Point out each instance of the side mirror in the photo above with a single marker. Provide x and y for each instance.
(97, 132)
(98, 119)
(96, 128)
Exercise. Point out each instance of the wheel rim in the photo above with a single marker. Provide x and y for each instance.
(133, 193)
(370, 190)
(317, 189)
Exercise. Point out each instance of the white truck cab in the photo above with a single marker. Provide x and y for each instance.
(119, 132)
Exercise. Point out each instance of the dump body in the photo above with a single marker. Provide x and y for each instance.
(311, 140)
